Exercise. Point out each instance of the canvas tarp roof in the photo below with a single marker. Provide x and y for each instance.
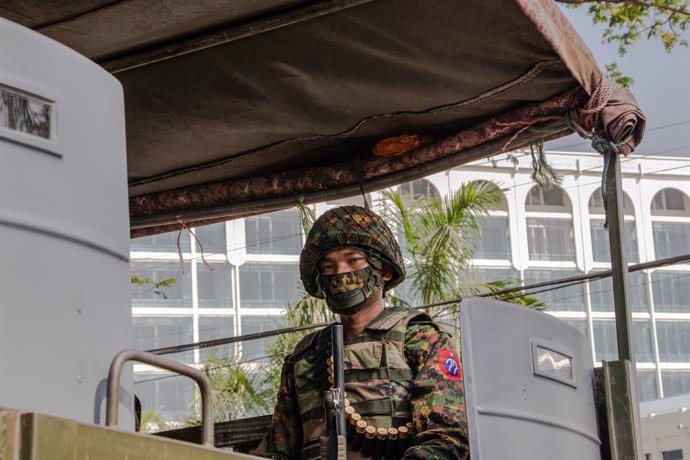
(236, 108)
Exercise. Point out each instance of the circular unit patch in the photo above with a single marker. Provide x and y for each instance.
(450, 364)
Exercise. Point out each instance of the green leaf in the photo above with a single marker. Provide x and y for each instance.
(617, 76)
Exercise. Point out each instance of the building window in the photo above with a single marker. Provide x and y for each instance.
(601, 293)
(274, 233)
(211, 239)
(674, 341)
(164, 242)
(671, 291)
(646, 385)
(550, 234)
(554, 200)
(475, 278)
(178, 294)
(601, 251)
(672, 455)
(550, 239)
(214, 288)
(487, 275)
(268, 285)
(417, 190)
(494, 239)
(168, 396)
(671, 239)
(253, 350)
(606, 344)
(214, 328)
(570, 298)
(151, 332)
(670, 202)
(642, 341)
(675, 383)
(596, 204)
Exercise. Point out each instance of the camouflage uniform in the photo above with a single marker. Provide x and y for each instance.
(402, 368)
(435, 392)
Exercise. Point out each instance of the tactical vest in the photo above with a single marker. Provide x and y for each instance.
(378, 380)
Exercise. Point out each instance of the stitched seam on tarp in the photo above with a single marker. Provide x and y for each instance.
(530, 75)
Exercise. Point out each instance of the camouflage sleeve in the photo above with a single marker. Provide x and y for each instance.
(284, 438)
(438, 395)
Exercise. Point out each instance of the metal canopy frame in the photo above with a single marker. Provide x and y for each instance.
(617, 378)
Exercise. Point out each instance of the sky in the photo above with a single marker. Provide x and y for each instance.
(661, 86)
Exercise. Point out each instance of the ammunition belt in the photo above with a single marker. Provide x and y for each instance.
(376, 443)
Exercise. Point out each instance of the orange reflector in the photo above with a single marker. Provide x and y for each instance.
(399, 145)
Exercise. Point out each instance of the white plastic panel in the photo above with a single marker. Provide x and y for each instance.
(64, 272)
(528, 384)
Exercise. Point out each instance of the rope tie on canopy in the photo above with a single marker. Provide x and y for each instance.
(542, 172)
(359, 175)
(584, 121)
(183, 227)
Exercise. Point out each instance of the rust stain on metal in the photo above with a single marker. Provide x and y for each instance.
(393, 146)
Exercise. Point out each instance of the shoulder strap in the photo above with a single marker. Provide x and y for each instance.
(417, 316)
(425, 318)
(388, 318)
(307, 341)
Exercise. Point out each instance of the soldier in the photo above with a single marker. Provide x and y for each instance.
(401, 371)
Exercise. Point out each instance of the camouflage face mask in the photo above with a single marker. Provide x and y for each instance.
(345, 292)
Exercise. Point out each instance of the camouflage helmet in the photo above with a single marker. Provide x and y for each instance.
(349, 226)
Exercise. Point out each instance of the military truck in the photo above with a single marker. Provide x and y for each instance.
(125, 119)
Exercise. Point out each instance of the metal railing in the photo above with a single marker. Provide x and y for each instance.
(115, 373)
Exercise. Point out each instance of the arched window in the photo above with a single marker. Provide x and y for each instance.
(670, 223)
(494, 239)
(418, 189)
(554, 200)
(550, 234)
(600, 236)
(671, 202)
(596, 204)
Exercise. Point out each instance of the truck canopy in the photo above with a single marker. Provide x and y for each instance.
(237, 108)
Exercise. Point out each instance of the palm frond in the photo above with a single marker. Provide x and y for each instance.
(306, 214)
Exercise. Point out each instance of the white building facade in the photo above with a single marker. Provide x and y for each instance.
(533, 236)
(665, 426)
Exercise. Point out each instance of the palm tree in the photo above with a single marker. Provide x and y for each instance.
(439, 236)
(237, 388)
(152, 422)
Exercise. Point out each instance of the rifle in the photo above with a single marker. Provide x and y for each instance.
(333, 445)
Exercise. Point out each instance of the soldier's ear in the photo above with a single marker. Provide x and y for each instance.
(386, 272)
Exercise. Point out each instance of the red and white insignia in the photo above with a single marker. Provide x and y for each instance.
(450, 364)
